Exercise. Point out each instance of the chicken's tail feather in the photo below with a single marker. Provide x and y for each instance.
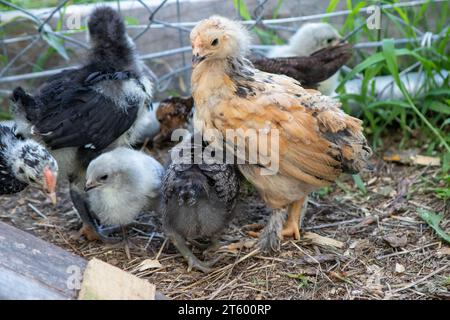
(108, 35)
(23, 103)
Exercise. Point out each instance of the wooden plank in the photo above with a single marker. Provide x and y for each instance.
(103, 281)
(31, 268)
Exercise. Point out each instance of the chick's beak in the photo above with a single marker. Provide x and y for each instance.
(197, 58)
(91, 185)
(338, 41)
(50, 185)
(197, 54)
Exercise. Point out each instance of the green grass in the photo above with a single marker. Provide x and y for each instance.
(264, 36)
(422, 119)
(433, 219)
(427, 111)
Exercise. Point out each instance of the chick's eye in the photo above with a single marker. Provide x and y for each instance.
(215, 42)
(330, 40)
(103, 178)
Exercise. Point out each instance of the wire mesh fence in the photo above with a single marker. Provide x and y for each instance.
(255, 16)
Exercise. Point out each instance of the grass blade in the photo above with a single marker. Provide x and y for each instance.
(433, 221)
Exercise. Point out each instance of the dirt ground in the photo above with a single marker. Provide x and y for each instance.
(373, 245)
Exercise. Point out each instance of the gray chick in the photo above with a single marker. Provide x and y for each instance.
(198, 201)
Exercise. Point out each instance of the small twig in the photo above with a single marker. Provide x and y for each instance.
(421, 280)
(37, 211)
(407, 251)
(161, 249)
(333, 224)
(420, 205)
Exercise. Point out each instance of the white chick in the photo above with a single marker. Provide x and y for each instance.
(310, 38)
(121, 183)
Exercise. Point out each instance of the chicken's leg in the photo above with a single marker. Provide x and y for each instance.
(295, 213)
(193, 261)
(90, 227)
(126, 244)
(270, 239)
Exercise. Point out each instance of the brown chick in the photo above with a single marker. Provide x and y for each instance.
(316, 140)
(310, 70)
(173, 113)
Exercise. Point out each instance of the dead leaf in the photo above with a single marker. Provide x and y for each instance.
(148, 264)
(239, 246)
(427, 161)
(373, 282)
(321, 240)
(399, 268)
(386, 191)
(411, 157)
(339, 275)
(310, 271)
(253, 234)
(444, 251)
(315, 259)
(353, 244)
(253, 227)
(396, 241)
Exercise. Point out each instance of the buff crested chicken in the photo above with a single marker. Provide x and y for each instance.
(316, 140)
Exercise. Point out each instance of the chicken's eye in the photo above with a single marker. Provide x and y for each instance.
(103, 178)
(215, 42)
(330, 40)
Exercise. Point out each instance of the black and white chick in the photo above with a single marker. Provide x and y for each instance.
(198, 201)
(24, 162)
(80, 113)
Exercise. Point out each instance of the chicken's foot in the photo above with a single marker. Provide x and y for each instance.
(295, 213)
(91, 228)
(192, 260)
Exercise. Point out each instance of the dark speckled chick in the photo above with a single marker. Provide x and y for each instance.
(198, 201)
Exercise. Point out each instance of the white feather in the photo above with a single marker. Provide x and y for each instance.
(135, 179)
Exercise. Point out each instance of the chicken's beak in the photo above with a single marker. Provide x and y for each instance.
(50, 185)
(91, 185)
(338, 41)
(197, 58)
(198, 51)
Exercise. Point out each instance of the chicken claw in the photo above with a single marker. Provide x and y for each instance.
(203, 266)
(291, 230)
(295, 214)
(193, 261)
(88, 232)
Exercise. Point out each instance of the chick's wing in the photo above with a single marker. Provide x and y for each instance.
(317, 140)
(77, 115)
(311, 70)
